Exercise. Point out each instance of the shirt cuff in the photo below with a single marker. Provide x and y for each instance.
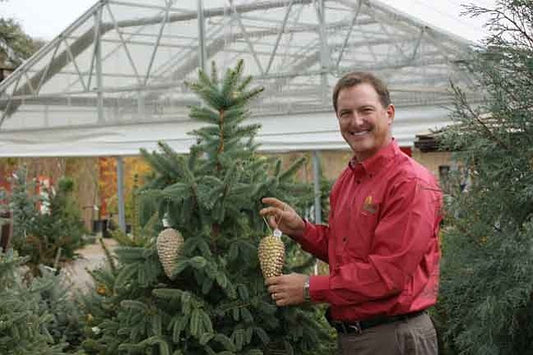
(318, 288)
(309, 229)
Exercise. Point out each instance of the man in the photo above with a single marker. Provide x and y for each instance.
(381, 243)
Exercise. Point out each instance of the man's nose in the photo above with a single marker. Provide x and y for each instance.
(356, 119)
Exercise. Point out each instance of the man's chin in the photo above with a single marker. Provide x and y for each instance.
(360, 145)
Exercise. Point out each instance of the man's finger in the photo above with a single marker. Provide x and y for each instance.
(270, 211)
(272, 222)
(273, 280)
(273, 201)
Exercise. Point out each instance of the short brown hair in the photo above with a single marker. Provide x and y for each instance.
(355, 78)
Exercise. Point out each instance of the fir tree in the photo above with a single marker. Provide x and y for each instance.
(24, 320)
(215, 301)
(62, 228)
(23, 206)
(46, 237)
(487, 270)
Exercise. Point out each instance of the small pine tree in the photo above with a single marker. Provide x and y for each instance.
(24, 320)
(23, 206)
(62, 227)
(215, 301)
(45, 237)
(486, 298)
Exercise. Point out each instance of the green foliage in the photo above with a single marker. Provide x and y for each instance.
(46, 237)
(24, 312)
(57, 299)
(63, 226)
(23, 206)
(23, 46)
(216, 301)
(487, 271)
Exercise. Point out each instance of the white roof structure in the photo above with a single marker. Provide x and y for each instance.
(113, 81)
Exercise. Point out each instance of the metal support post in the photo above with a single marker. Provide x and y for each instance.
(316, 183)
(120, 193)
(324, 52)
(317, 205)
(201, 36)
(98, 67)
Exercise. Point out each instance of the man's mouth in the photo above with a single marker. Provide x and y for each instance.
(359, 133)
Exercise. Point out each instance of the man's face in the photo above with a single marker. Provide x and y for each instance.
(364, 122)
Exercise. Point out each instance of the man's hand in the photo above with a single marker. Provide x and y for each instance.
(287, 290)
(282, 216)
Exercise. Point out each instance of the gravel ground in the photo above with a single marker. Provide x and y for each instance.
(90, 257)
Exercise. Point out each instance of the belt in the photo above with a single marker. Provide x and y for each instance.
(358, 326)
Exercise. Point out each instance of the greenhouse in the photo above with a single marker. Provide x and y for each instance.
(113, 81)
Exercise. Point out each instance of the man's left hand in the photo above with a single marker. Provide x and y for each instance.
(287, 290)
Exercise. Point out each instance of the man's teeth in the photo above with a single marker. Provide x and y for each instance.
(359, 133)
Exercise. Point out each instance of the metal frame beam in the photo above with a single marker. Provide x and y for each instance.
(414, 56)
(124, 45)
(278, 39)
(348, 34)
(101, 28)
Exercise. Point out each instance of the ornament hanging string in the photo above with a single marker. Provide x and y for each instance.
(276, 232)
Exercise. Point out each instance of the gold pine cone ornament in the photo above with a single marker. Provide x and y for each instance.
(169, 244)
(271, 253)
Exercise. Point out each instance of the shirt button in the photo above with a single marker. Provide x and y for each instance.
(344, 239)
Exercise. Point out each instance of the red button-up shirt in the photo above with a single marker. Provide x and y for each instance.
(382, 240)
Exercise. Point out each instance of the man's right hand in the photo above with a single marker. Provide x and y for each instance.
(282, 216)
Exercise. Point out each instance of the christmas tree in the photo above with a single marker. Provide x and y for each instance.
(486, 301)
(25, 319)
(23, 206)
(50, 236)
(203, 293)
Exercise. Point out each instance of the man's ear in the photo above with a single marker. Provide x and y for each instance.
(391, 110)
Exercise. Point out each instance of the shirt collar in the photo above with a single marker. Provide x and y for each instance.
(376, 162)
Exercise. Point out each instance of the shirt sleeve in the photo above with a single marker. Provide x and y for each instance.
(405, 233)
(315, 240)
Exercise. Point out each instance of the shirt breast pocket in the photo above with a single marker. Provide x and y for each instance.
(364, 226)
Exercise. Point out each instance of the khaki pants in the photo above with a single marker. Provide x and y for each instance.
(415, 336)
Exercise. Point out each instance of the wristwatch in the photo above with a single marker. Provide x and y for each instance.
(307, 297)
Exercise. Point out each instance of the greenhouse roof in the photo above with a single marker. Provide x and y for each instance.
(113, 81)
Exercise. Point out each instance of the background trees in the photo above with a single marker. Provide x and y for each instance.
(487, 270)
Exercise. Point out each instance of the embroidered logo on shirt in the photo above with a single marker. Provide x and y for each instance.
(369, 206)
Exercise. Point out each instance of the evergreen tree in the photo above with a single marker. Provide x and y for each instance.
(215, 301)
(23, 206)
(487, 270)
(22, 45)
(61, 228)
(23, 319)
(46, 237)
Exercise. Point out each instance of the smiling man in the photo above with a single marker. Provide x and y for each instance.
(381, 243)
